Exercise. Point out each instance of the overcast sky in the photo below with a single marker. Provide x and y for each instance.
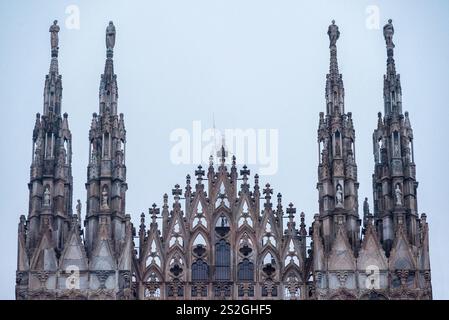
(253, 64)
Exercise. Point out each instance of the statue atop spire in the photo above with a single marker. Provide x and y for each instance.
(333, 33)
(388, 34)
(54, 39)
(110, 38)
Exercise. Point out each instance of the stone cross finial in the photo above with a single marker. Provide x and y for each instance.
(267, 192)
(199, 174)
(142, 220)
(279, 210)
(245, 173)
(291, 212)
(154, 211)
(176, 192)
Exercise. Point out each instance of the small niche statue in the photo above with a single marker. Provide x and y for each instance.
(47, 196)
(104, 198)
(339, 195)
(398, 194)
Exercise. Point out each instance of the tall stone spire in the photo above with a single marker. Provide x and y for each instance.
(394, 178)
(53, 83)
(400, 230)
(392, 80)
(335, 91)
(337, 170)
(108, 84)
(108, 227)
(43, 234)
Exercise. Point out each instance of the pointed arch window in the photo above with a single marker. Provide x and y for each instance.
(245, 217)
(268, 237)
(66, 148)
(106, 145)
(222, 260)
(245, 270)
(222, 199)
(199, 216)
(269, 259)
(153, 256)
(292, 288)
(200, 271)
(292, 259)
(176, 237)
(396, 144)
(152, 287)
(222, 225)
(337, 144)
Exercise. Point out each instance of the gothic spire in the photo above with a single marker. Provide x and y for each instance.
(337, 170)
(392, 81)
(334, 82)
(333, 34)
(53, 83)
(388, 35)
(108, 84)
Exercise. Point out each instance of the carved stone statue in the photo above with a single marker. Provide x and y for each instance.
(333, 33)
(365, 207)
(350, 158)
(104, 198)
(396, 147)
(398, 194)
(78, 207)
(47, 196)
(54, 40)
(339, 195)
(337, 147)
(110, 36)
(388, 33)
(37, 149)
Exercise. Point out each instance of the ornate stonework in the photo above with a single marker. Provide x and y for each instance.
(223, 236)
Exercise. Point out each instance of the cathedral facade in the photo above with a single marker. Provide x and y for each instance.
(223, 236)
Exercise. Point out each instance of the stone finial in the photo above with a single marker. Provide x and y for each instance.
(268, 192)
(199, 174)
(291, 211)
(153, 211)
(302, 226)
(245, 172)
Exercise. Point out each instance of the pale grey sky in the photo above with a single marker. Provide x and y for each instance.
(253, 63)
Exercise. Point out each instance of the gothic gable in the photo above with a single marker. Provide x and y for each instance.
(341, 257)
(102, 257)
(371, 253)
(74, 253)
(401, 257)
(44, 257)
